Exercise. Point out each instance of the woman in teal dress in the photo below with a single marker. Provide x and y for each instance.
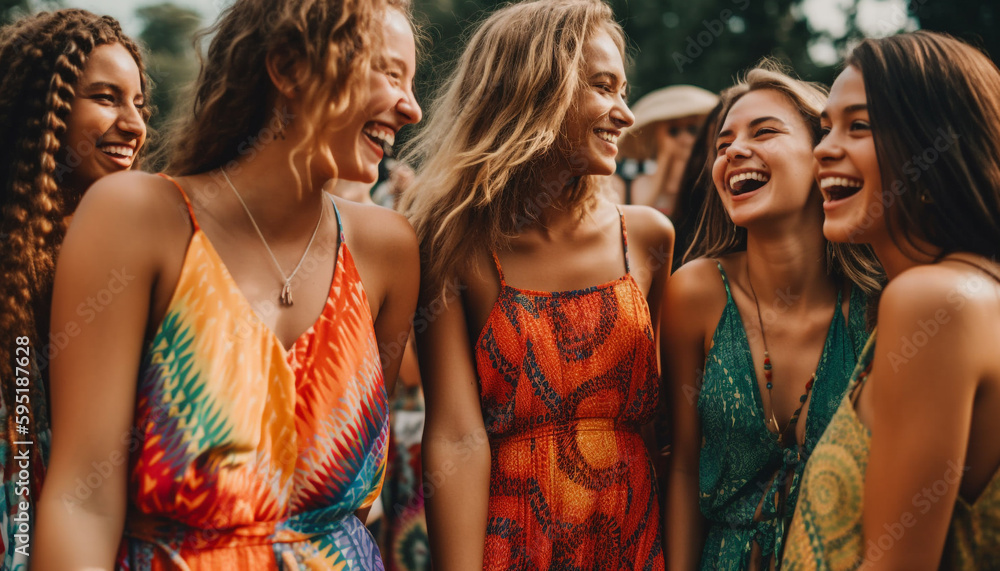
(906, 476)
(761, 331)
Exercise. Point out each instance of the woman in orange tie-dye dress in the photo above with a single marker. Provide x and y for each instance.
(216, 412)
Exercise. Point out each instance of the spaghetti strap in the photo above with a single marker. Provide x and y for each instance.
(621, 216)
(340, 225)
(977, 266)
(184, 195)
(496, 261)
(725, 280)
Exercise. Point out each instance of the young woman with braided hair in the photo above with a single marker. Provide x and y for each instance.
(73, 108)
(227, 408)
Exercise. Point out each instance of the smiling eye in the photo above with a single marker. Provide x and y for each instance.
(721, 147)
(765, 131)
(823, 132)
(104, 97)
(860, 125)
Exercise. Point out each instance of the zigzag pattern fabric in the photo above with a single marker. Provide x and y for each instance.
(247, 455)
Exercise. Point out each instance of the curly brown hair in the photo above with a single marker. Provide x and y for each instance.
(233, 98)
(41, 60)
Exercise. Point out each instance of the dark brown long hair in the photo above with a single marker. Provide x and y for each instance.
(233, 98)
(696, 184)
(717, 236)
(41, 59)
(934, 105)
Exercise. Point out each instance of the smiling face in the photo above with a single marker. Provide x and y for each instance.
(763, 168)
(848, 171)
(360, 146)
(599, 114)
(105, 129)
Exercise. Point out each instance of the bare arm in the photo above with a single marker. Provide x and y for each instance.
(401, 268)
(652, 261)
(391, 258)
(684, 357)
(105, 274)
(456, 451)
(921, 402)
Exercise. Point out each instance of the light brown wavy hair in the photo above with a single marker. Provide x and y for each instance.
(716, 235)
(334, 41)
(494, 124)
(41, 60)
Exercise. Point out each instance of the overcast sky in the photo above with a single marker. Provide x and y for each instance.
(875, 17)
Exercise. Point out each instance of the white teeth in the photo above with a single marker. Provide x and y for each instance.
(748, 176)
(827, 182)
(382, 134)
(122, 150)
(606, 136)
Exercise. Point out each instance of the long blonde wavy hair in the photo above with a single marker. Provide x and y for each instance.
(716, 235)
(335, 41)
(494, 124)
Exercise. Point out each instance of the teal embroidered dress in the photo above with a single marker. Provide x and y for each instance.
(741, 462)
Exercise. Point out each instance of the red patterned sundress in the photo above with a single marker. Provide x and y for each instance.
(566, 381)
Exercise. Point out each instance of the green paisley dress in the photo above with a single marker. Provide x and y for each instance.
(741, 465)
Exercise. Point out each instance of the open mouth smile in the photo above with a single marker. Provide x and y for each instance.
(381, 136)
(608, 136)
(747, 181)
(119, 153)
(839, 187)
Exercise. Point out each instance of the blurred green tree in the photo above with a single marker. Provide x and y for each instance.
(167, 32)
(974, 21)
(704, 43)
(10, 9)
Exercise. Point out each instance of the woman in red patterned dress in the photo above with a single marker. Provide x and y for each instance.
(537, 381)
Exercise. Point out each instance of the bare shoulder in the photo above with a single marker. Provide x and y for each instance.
(940, 291)
(698, 282)
(940, 313)
(651, 236)
(136, 203)
(694, 300)
(648, 221)
(370, 226)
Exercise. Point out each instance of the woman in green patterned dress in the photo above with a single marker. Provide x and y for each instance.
(906, 475)
(761, 331)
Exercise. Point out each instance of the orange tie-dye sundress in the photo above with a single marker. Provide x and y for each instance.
(246, 455)
(566, 381)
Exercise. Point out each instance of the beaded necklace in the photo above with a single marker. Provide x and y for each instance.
(772, 422)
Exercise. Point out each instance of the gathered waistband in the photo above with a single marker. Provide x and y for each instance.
(567, 428)
(172, 535)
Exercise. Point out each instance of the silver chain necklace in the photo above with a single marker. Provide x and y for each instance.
(286, 291)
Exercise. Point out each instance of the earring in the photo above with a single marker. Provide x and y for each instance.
(926, 197)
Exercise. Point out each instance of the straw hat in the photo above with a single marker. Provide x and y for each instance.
(664, 104)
